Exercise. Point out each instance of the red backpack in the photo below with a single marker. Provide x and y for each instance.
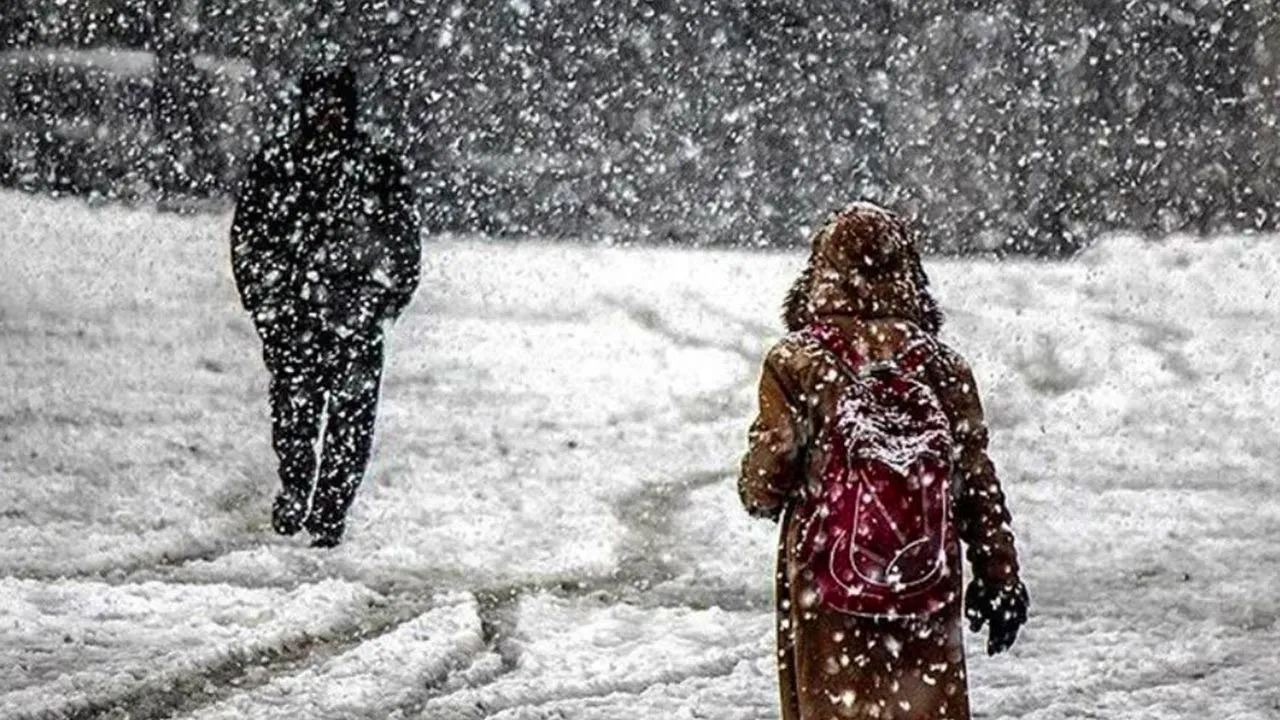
(876, 529)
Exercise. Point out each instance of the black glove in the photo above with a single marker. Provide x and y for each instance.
(1003, 608)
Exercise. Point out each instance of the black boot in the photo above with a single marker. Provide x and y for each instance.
(325, 532)
(289, 512)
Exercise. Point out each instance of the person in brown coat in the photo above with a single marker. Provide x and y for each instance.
(865, 279)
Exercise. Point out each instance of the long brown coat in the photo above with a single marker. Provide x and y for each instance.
(864, 277)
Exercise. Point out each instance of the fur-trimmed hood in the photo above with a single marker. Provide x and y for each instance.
(863, 263)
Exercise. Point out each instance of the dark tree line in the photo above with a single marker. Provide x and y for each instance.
(1018, 125)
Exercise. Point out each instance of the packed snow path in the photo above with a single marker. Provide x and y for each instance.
(550, 528)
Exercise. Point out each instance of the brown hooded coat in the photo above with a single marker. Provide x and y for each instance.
(864, 277)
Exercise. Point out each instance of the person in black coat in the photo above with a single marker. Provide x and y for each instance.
(325, 251)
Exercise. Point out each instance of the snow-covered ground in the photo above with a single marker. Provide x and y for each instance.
(550, 528)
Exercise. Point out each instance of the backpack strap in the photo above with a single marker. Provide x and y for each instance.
(911, 359)
(829, 338)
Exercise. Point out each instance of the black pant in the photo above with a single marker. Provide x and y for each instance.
(324, 388)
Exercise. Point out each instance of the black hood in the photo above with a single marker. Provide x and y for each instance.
(325, 85)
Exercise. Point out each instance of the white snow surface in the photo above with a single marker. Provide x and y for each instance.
(74, 644)
(550, 527)
(374, 679)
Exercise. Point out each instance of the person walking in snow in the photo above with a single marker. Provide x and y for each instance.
(871, 449)
(325, 252)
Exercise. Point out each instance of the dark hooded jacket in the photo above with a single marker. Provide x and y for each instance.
(326, 228)
(864, 277)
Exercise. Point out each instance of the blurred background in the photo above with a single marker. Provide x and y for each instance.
(1021, 126)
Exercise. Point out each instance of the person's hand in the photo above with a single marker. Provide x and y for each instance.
(1002, 608)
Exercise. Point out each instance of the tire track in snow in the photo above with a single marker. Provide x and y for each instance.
(240, 527)
(481, 703)
(147, 567)
(635, 586)
(239, 671)
(648, 552)
(243, 671)
(384, 676)
(649, 558)
(155, 565)
(609, 702)
(652, 556)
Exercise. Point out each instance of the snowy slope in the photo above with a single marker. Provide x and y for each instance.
(550, 527)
